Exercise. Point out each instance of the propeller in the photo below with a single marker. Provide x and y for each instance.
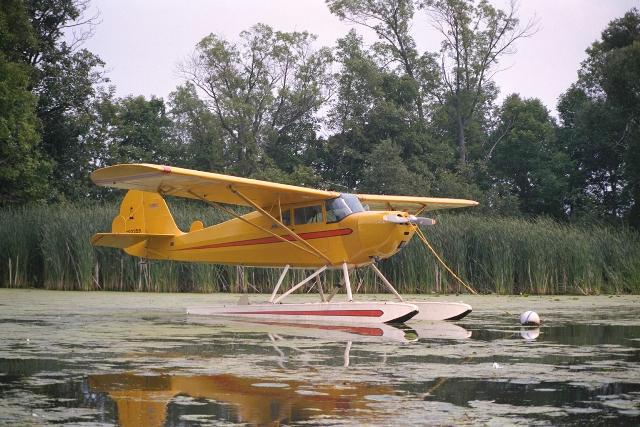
(412, 219)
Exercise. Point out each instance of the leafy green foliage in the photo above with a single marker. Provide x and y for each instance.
(528, 161)
(263, 92)
(600, 115)
(23, 167)
(475, 37)
(195, 130)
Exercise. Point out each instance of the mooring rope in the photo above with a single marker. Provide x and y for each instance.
(435, 254)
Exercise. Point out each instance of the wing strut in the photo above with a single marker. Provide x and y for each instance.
(268, 215)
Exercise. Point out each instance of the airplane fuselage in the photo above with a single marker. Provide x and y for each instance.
(357, 239)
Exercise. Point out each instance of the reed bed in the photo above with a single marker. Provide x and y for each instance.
(47, 246)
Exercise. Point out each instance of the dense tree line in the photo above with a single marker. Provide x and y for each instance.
(384, 118)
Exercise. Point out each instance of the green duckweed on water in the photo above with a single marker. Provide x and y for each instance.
(138, 359)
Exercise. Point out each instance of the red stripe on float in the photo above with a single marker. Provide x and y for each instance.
(353, 313)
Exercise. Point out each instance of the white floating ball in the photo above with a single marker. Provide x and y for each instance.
(529, 318)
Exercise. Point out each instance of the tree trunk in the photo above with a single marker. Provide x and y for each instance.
(462, 148)
(420, 109)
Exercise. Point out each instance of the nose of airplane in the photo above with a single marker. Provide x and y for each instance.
(381, 237)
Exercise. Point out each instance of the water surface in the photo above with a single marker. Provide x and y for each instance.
(138, 359)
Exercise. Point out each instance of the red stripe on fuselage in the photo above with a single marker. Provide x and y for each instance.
(267, 240)
(351, 313)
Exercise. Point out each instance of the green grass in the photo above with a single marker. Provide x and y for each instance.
(47, 246)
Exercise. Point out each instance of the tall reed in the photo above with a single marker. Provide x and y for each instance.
(47, 246)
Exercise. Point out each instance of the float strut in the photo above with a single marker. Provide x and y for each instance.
(347, 281)
(317, 272)
(275, 290)
(386, 282)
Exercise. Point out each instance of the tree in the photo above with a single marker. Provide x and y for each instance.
(475, 38)
(591, 129)
(386, 173)
(391, 21)
(600, 117)
(196, 131)
(133, 130)
(263, 92)
(23, 168)
(528, 162)
(357, 91)
(372, 105)
(63, 79)
(66, 93)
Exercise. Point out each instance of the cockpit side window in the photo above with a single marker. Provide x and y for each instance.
(336, 210)
(308, 215)
(341, 207)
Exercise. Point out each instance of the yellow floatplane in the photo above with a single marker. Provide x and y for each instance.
(289, 227)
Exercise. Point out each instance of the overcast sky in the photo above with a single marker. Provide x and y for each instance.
(143, 41)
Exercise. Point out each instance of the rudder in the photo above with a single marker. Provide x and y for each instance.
(144, 212)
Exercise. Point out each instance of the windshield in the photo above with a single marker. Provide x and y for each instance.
(341, 207)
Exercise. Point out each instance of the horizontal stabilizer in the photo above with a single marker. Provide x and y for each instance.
(123, 240)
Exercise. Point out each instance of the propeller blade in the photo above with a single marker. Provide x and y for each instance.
(420, 220)
(395, 219)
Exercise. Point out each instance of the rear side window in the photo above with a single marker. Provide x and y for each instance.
(286, 217)
(308, 215)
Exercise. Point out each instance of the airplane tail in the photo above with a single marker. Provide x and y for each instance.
(143, 227)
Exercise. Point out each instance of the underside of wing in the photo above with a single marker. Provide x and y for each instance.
(173, 181)
(412, 204)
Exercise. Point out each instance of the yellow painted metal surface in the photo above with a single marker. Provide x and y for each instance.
(192, 184)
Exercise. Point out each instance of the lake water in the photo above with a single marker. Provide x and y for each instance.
(137, 359)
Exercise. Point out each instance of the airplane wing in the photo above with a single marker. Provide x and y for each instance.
(173, 181)
(412, 204)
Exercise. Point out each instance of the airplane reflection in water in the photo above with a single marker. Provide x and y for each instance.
(338, 332)
(145, 400)
(155, 400)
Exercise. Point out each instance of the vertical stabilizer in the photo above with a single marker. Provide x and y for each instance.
(146, 213)
(144, 226)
